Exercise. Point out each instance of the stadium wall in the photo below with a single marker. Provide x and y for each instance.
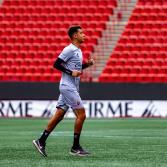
(101, 100)
(88, 91)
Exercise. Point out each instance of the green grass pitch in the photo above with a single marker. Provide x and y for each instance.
(112, 142)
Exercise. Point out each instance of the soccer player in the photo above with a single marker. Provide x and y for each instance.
(69, 62)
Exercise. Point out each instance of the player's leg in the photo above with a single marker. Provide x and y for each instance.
(73, 99)
(80, 118)
(57, 117)
(41, 142)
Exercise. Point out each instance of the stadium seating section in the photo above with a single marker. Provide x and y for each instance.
(141, 53)
(33, 33)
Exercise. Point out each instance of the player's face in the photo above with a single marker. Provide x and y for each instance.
(80, 36)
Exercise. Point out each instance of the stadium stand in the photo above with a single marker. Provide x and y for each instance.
(33, 32)
(141, 53)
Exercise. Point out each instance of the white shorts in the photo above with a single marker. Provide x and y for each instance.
(69, 98)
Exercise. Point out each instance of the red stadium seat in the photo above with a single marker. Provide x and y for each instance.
(33, 33)
(140, 54)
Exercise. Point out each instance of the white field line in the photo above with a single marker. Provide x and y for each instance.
(70, 134)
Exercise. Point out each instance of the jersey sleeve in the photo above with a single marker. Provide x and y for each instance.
(66, 54)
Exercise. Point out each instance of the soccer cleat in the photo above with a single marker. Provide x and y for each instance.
(40, 147)
(79, 151)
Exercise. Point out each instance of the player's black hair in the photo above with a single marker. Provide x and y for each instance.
(72, 30)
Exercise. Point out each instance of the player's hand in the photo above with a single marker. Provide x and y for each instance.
(91, 62)
(76, 73)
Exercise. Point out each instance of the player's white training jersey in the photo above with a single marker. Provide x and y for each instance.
(73, 61)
